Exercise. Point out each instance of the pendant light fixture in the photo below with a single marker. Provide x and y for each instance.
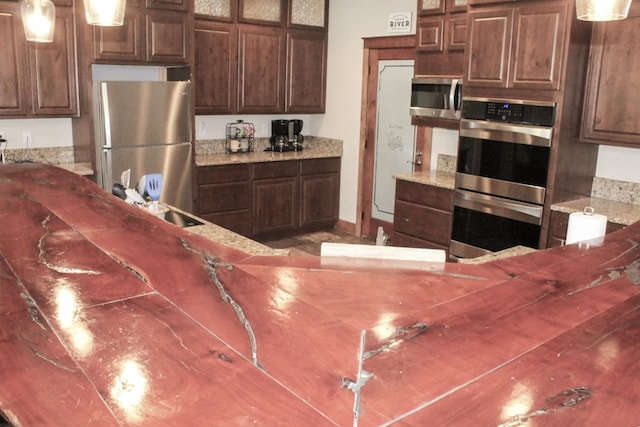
(38, 20)
(602, 10)
(105, 13)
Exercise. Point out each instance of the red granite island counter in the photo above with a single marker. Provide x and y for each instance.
(111, 316)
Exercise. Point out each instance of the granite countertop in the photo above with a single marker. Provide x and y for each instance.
(209, 153)
(438, 178)
(616, 212)
(234, 240)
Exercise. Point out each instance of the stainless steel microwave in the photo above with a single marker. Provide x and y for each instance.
(437, 98)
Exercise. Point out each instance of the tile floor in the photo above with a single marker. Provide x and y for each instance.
(309, 243)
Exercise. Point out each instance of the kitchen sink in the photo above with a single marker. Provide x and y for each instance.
(180, 219)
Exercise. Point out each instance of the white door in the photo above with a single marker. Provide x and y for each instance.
(395, 143)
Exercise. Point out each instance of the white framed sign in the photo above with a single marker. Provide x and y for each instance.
(400, 22)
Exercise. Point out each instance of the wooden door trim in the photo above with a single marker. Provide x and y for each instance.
(375, 48)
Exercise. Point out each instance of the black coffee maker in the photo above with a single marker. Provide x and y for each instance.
(279, 135)
(286, 136)
(295, 137)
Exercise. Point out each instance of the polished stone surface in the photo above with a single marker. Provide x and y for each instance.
(616, 212)
(438, 178)
(209, 153)
(111, 316)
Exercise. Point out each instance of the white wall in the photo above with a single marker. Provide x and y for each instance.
(44, 132)
(349, 22)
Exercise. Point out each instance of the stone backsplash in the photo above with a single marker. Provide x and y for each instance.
(50, 155)
(619, 191)
(217, 146)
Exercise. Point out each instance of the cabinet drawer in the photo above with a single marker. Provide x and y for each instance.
(224, 173)
(403, 240)
(276, 170)
(316, 166)
(559, 224)
(422, 222)
(224, 197)
(428, 195)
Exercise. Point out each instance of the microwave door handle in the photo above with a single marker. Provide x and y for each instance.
(454, 97)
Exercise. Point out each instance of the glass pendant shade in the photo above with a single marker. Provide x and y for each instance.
(38, 20)
(105, 13)
(602, 10)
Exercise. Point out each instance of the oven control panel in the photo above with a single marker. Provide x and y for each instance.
(504, 111)
(509, 111)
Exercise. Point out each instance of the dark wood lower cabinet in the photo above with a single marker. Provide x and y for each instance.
(224, 196)
(422, 216)
(320, 192)
(276, 205)
(558, 228)
(260, 199)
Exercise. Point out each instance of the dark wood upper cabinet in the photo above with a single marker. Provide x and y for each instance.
(156, 34)
(306, 71)
(611, 107)
(308, 14)
(215, 68)
(441, 33)
(488, 47)
(125, 43)
(261, 70)
(263, 12)
(13, 76)
(516, 47)
(53, 70)
(167, 37)
(431, 7)
(37, 79)
(247, 61)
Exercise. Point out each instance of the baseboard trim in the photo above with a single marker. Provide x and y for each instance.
(346, 227)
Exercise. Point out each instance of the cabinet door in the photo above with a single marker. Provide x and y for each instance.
(488, 47)
(306, 72)
(612, 110)
(456, 34)
(431, 7)
(222, 10)
(53, 70)
(13, 55)
(276, 202)
(538, 41)
(430, 34)
(269, 12)
(167, 37)
(261, 70)
(308, 13)
(125, 43)
(215, 68)
(319, 192)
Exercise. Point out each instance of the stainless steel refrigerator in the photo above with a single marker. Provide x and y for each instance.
(145, 127)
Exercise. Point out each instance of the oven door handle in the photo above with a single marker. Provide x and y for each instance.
(506, 132)
(499, 206)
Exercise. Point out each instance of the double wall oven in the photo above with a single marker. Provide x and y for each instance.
(503, 163)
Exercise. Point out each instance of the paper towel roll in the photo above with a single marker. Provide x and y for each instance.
(586, 226)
